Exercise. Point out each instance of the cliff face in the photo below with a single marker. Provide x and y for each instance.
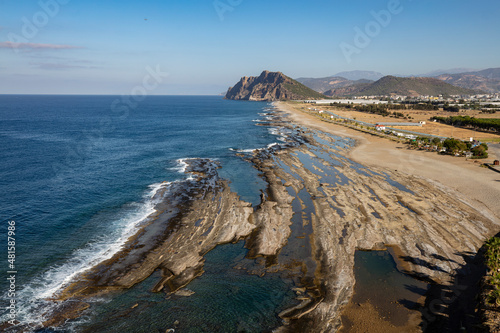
(270, 86)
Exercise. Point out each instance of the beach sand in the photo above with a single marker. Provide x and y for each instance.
(461, 180)
(319, 208)
(480, 186)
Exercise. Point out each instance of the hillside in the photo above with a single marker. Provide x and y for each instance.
(348, 90)
(412, 86)
(361, 75)
(270, 86)
(487, 80)
(490, 73)
(470, 81)
(328, 83)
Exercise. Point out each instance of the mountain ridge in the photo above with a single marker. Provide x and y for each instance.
(487, 80)
(330, 82)
(361, 75)
(393, 85)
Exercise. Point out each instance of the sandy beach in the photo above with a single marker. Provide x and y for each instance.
(479, 185)
(461, 181)
(326, 198)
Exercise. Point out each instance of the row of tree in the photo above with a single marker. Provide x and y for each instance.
(488, 124)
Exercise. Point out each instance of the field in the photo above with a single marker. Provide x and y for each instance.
(417, 116)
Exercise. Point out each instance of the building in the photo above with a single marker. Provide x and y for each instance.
(400, 124)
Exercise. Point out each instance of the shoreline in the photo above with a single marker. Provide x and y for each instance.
(479, 185)
(462, 183)
(316, 191)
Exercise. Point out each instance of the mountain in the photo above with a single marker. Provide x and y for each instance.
(347, 90)
(270, 86)
(360, 75)
(447, 71)
(487, 80)
(392, 85)
(490, 73)
(470, 81)
(328, 83)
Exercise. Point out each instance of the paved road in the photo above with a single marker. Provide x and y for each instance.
(495, 149)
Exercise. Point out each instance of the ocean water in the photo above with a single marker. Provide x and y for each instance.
(78, 173)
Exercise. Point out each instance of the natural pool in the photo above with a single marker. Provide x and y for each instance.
(395, 297)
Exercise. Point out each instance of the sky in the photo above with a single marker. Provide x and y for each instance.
(201, 47)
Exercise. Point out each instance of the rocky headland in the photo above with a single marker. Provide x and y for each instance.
(270, 86)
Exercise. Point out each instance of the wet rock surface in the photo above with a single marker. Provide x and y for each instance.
(357, 208)
(319, 208)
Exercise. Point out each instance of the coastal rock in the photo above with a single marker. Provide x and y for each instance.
(272, 218)
(184, 293)
(270, 86)
(338, 207)
(199, 215)
(429, 226)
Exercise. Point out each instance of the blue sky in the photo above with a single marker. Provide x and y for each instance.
(104, 47)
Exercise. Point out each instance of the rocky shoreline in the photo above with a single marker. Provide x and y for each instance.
(333, 207)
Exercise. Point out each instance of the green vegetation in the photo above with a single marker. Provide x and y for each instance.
(480, 151)
(454, 146)
(451, 108)
(492, 260)
(489, 111)
(421, 106)
(380, 109)
(299, 89)
(487, 124)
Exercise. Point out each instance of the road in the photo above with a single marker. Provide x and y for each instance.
(495, 149)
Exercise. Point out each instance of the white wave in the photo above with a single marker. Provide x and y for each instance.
(182, 164)
(273, 131)
(272, 145)
(245, 150)
(35, 295)
(249, 150)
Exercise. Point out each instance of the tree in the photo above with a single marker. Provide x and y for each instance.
(480, 151)
(436, 141)
(454, 146)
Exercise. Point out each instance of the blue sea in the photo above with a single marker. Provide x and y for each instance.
(78, 175)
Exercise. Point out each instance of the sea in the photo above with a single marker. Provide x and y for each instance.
(77, 177)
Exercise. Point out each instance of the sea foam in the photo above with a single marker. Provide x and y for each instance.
(51, 282)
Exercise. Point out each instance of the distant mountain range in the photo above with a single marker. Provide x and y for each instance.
(274, 86)
(328, 83)
(362, 83)
(443, 71)
(405, 86)
(361, 75)
(270, 86)
(487, 80)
